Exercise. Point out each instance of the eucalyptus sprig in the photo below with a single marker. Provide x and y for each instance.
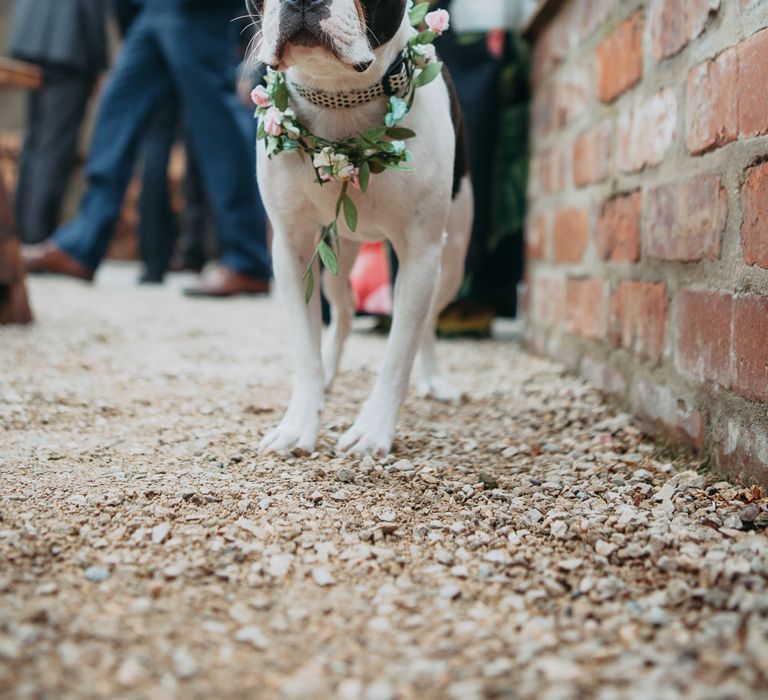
(350, 162)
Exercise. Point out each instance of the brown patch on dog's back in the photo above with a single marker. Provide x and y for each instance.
(461, 168)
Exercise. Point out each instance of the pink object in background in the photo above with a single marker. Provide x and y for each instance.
(370, 280)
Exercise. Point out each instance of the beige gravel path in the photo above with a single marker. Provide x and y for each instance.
(529, 543)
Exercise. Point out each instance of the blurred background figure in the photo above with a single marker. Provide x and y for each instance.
(68, 39)
(157, 231)
(490, 67)
(187, 50)
(489, 64)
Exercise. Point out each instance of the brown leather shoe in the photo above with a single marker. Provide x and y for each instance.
(47, 259)
(223, 282)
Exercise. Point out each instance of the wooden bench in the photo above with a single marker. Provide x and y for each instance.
(14, 303)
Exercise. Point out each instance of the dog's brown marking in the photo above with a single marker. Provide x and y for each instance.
(461, 167)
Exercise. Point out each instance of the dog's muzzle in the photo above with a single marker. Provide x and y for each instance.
(300, 22)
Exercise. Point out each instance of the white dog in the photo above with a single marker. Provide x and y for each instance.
(329, 49)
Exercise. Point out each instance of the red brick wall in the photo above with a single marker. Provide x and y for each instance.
(648, 231)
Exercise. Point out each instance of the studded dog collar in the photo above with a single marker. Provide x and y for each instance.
(396, 81)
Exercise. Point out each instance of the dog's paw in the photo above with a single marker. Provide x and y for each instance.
(440, 389)
(291, 435)
(364, 438)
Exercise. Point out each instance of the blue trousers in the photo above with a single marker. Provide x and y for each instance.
(189, 53)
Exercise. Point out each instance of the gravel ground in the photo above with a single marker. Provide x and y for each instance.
(528, 543)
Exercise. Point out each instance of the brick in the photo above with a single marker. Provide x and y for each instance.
(711, 118)
(570, 235)
(639, 319)
(646, 131)
(592, 153)
(592, 14)
(686, 221)
(752, 92)
(536, 233)
(574, 94)
(552, 170)
(618, 228)
(675, 23)
(553, 45)
(668, 412)
(547, 300)
(587, 308)
(754, 230)
(703, 349)
(620, 59)
(606, 377)
(543, 112)
(750, 346)
(741, 444)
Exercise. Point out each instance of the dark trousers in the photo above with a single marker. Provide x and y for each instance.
(188, 53)
(198, 236)
(55, 116)
(157, 225)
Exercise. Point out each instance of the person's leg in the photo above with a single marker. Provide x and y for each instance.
(56, 116)
(157, 229)
(25, 179)
(193, 248)
(139, 81)
(199, 46)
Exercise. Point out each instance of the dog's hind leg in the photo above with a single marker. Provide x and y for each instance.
(338, 291)
(431, 382)
(299, 427)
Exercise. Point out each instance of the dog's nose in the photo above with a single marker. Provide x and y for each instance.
(305, 5)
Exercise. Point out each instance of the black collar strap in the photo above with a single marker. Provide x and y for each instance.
(396, 81)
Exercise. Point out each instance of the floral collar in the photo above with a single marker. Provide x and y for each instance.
(350, 162)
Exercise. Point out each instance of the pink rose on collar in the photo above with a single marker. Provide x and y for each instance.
(438, 21)
(260, 97)
(273, 122)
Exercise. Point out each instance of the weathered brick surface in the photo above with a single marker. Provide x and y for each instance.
(552, 170)
(741, 445)
(618, 229)
(750, 347)
(620, 59)
(646, 131)
(548, 299)
(672, 414)
(571, 235)
(686, 221)
(711, 103)
(574, 94)
(705, 321)
(754, 231)
(587, 307)
(536, 233)
(592, 154)
(675, 23)
(752, 93)
(651, 168)
(639, 319)
(605, 376)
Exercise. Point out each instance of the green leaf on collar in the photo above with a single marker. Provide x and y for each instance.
(418, 13)
(309, 276)
(329, 257)
(350, 213)
(428, 74)
(281, 96)
(400, 133)
(365, 176)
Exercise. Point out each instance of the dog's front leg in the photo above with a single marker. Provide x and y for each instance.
(299, 427)
(374, 430)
